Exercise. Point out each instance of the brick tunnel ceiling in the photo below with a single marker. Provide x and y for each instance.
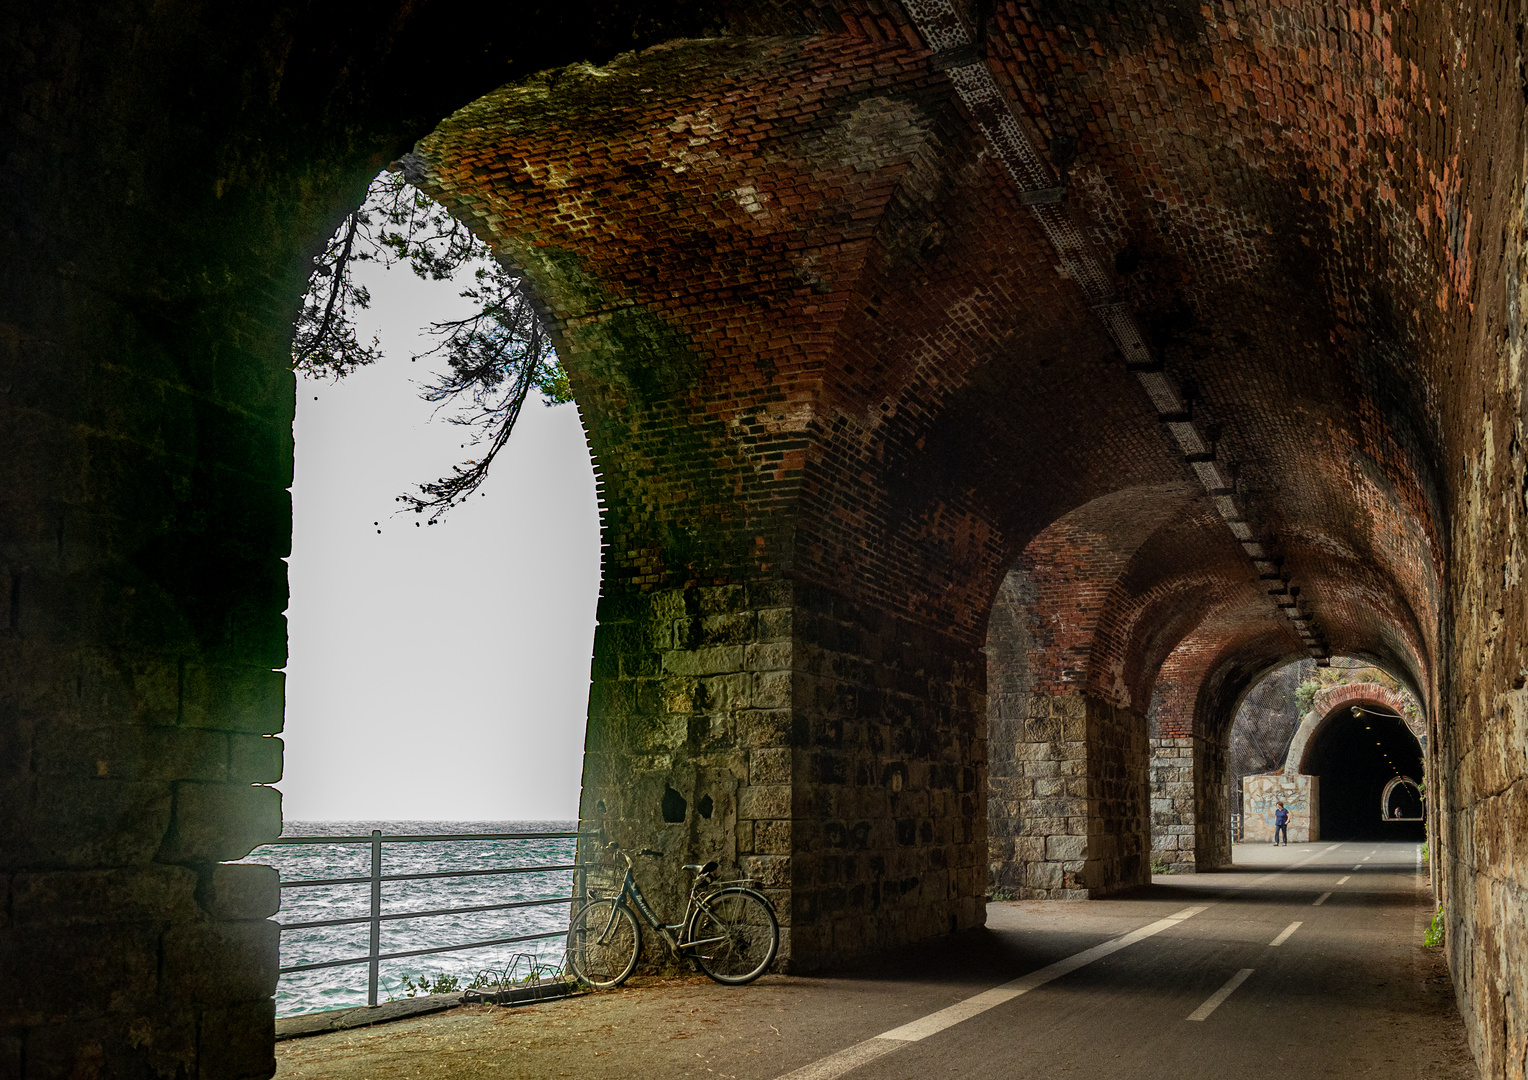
(1245, 189)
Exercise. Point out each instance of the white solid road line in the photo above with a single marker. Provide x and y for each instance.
(1220, 995)
(1344, 879)
(1290, 929)
(835, 1065)
(934, 1022)
(1321, 899)
(853, 1057)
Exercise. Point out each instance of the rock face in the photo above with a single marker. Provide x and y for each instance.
(873, 438)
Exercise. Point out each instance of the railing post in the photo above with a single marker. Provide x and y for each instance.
(376, 915)
(580, 877)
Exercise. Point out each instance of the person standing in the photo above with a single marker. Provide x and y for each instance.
(1281, 826)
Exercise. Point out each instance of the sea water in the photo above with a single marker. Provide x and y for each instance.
(332, 988)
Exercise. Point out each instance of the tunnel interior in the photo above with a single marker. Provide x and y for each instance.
(1356, 754)
(1403, 800)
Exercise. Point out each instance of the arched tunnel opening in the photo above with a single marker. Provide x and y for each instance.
(1357, 754)
(863, 328)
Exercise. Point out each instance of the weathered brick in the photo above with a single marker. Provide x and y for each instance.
(213, 963)
(126, 894)
(241, 891)
(219, 822)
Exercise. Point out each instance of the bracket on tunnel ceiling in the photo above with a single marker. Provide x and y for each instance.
(958, 54)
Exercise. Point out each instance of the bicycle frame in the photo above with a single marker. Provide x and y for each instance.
(631, 891)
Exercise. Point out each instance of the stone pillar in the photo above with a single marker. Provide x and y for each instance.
(146, 517)
(1190, 804)
(688, 748)
(890, 753)
(1069, 797)
(1212, 804)
(1173, 824)
(831, 751)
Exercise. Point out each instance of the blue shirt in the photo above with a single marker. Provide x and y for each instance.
(1281, 816)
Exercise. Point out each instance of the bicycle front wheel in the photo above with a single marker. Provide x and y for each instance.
(603, 943)
(734, 935)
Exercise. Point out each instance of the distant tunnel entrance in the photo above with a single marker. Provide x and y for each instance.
(1357, 754)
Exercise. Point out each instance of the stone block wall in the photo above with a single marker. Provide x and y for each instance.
(145, 457)
(1212, 810)
(1173, 831)
(1301, 796)
(1190, 804)
(890, 806)
(1068, 798)
(832, 752)
(688, 749)
(1038, 797)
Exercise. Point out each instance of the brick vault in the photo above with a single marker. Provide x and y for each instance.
(982, 399)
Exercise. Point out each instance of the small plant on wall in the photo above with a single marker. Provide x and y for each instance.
(1434, 935)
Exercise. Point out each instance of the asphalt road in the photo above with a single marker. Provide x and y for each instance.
(1182, 980)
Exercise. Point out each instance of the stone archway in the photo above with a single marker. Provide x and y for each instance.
(1329, 702)
(1385, 810)
(873, 389)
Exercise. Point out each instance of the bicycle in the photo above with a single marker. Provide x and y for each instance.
(729, 929)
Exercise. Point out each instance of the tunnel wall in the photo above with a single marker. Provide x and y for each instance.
(1358, 170)
(170, 173)
(1479, 783)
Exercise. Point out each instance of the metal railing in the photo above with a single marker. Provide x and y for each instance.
(376, 878)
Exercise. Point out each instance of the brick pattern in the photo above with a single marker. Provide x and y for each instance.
(818, 343)
(997, 114)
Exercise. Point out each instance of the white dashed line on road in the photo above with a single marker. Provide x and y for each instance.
(1321, 899)
(1290, 929)
(1344, 879)
(1220, 995)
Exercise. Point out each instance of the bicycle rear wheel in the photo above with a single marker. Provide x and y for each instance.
(735, 935)
(603, 943)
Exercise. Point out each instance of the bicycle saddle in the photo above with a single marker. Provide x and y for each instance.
(709, 868)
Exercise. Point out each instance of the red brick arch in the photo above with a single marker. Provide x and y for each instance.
(1334, 697)
(1331, 701)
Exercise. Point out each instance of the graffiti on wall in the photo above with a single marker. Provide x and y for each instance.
(1261, 795)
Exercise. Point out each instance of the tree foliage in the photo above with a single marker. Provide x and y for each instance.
(493, 359)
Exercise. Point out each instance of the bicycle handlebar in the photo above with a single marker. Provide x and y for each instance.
(614, 847)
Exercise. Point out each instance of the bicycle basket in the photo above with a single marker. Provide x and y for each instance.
(603, 875)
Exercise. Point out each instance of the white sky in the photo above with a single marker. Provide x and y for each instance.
(436, 672)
